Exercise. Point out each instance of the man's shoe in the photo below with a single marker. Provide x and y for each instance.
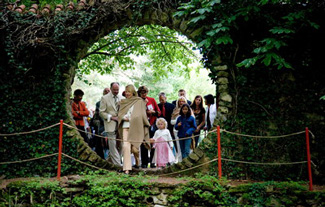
(144, 166)
(135, 166)
(152, 165)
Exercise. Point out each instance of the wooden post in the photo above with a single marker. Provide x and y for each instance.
(219, 153)
(308, 160)
(60, 150)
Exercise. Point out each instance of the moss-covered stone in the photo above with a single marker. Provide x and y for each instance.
(194, 157)
(187, 162)
(199, 152)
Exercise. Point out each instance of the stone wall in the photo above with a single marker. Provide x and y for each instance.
(76, 191)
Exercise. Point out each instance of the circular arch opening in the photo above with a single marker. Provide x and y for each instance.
(138, 48)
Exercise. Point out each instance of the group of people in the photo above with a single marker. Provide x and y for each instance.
(134, 123)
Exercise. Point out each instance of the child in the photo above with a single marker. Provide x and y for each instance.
(186, 125)
(163, 143)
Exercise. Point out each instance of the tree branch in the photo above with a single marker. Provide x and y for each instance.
(126, 48)
(167, 54)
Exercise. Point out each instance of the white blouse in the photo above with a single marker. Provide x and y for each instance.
(126, 124)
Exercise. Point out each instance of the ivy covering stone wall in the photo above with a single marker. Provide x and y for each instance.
(116, 190)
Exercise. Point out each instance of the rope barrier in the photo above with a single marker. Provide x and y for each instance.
(190, 137)
(238, 161)
(265, 163)
(188, 169)
(267, 137)
(89, 165)
(103, 137)
(191, 168)
(28, 160)
(29, 132)
(184, 138)
(312, 134)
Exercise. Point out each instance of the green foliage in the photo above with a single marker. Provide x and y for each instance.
(260, 37)
(258, 193)
(205, 190)
(229, 26)
(163, 47)
(267, 107)
(113, 190)
(34, 92)
(37, 192)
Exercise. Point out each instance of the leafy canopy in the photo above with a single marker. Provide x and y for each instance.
(162, 46)
(255, 32)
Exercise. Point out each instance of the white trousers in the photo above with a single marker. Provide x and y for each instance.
(128, 148)
(114, 153)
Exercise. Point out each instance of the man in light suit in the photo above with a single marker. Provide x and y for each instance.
(108, 110)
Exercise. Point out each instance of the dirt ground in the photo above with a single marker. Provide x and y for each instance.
(167, 180)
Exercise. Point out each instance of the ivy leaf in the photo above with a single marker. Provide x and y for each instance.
(224, 40)
(202, 10)
(248, 62)
(179, 13)
(259, 50)
(313, 24)
(213, 2)
(211, 33)
(268, 58)
(281, 30)
(206, 43)
(196, 19)
(263, 2)
(216, 25)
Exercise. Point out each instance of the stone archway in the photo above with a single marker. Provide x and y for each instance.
(106, 17)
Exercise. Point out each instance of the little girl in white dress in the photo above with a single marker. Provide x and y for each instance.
(163, 143)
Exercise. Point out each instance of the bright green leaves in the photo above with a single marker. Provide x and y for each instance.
(229, 26)
(162, 46)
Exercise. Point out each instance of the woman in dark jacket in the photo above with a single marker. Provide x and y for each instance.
(199, 114)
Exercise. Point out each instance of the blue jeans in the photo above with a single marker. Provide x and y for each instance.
(185, 145)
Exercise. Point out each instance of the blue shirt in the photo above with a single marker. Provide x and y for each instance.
(187, 128)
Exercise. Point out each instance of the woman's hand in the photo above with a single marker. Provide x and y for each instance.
(179, 124)
(151, 111)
